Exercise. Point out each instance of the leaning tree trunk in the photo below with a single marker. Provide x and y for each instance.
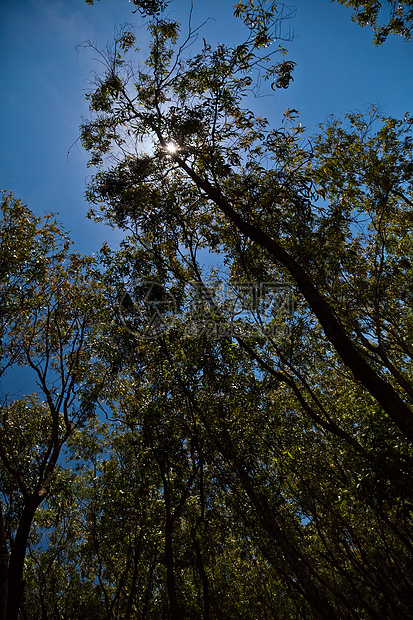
(379, 388)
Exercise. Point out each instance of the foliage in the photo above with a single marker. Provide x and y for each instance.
(51, 306)
(254, 473)
(400, 19)
(218, 159)
(306, 435)
(145, 7)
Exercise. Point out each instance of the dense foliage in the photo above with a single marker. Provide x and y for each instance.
(50, 309)
(222, 461)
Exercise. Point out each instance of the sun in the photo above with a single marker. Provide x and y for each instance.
(171, 148)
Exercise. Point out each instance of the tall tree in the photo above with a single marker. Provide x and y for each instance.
(207, 148)
(50, 307)
(245, 471)
(317, 436)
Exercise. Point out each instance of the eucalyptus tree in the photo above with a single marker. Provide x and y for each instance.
(153, 530)
(220, 176)
(308, 437)
(218, 495)
(51, 308)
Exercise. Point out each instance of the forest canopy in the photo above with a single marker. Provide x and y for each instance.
(222, 420)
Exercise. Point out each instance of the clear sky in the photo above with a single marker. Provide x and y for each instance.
(44, 78)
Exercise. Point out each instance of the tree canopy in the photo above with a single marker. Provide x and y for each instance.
(50, 307)
(399, 17)
(238, 428)
(145, 7)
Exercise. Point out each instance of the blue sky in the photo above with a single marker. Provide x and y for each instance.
(44, 78)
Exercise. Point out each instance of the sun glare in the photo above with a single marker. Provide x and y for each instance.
(171, 148)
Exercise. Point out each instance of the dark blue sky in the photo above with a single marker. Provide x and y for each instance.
(43, 81)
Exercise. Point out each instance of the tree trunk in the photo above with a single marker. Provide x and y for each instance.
(17, 555)
(176, 612)
(307, 579)
(381, 390)
(203, 576)
(4, 565)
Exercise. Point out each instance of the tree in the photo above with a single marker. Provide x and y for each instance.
(244, 470)
(400, 18)
(145, 7)
(218, 476)
(50, 308)
(208, 147)
(306, 435)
